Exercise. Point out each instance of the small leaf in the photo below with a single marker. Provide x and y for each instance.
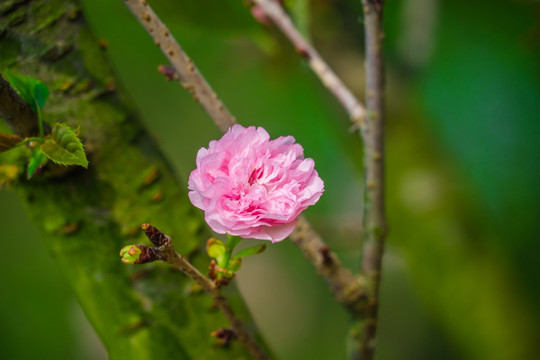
(250, 251)
(31, 90)
(216, 249)
(37, 160)
(41, 93)
(66, 148)
(8, 141)
(234, 264)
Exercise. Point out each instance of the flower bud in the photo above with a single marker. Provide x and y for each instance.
(139, 254)
(223, 336)
(155, 235)
(130, 254)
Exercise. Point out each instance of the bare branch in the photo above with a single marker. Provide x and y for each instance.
(244, 337)
(190, 77)
(345, 96)
(167, 253)
(347, 289)
(16, 112)
(374, 212)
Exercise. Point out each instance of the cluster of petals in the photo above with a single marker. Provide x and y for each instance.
(253, 187)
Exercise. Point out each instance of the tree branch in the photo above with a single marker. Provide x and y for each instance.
(374, 213)
(329, 79)
(190, 77)
(16, 112)
(167, 253)
(351, 295)
(347, 289)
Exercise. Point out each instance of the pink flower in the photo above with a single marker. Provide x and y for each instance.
(253, 187)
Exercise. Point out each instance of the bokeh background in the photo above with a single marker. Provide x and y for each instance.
(461, 273)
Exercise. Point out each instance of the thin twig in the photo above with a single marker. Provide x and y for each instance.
(374, 213)
(179, 262)
(16, 112)
(166, 252)
(347, 289)
(352, 105)
(309, 242)
(189, 75)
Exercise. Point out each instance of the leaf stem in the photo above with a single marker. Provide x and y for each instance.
(232, 241)
(40, 121)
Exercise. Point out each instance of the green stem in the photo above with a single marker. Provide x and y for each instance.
(232, 241)
(30, 139)
(40, 121)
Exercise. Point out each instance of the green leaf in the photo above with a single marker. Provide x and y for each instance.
(250, 251)
(41, 94)
(216, 249)
(234, 265)
(33, 91)
(37, 160)
(8, 141)
(66, 147)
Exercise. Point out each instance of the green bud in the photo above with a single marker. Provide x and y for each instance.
(216, 249)
(130, 254)
(234, 265)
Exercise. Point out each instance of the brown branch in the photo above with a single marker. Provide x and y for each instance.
(166, 252)
(345, 96)
(244, 337)
(347, 289)
(190, 77)
(309, 242)
(16, 112)
(374, 212)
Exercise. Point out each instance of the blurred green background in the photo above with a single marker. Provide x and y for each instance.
(461, 277)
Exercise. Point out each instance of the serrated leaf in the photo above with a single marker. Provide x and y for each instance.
(65, 148)
(250, 251)
(33, 91)
(62, 156)
(8, 141)
(37, 160)
(216, 249)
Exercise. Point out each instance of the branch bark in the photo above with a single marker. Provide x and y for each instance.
(374, 213)
(15, 112)
(347, 289)
(309, 242)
